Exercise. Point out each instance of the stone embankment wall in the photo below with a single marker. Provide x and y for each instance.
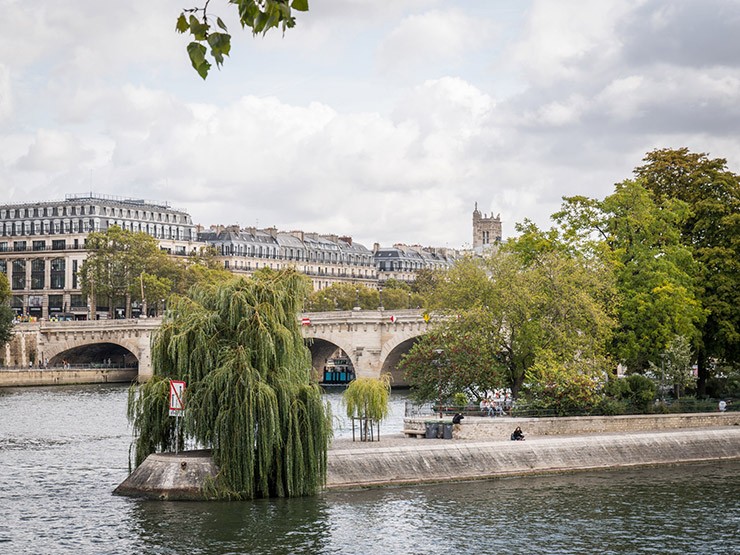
(170, 476)
(23, 346)
(24, 378)
(482, 428)
(430, 461)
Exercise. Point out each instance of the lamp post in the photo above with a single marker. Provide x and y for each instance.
(662, 376)
(438, 363)
(357, 298)
(380, 298)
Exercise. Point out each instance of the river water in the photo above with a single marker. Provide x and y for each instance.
(64, 449)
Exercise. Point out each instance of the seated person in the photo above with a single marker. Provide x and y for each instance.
(457, 418)
(517, 435)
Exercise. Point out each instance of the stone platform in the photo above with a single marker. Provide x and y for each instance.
(401, 461)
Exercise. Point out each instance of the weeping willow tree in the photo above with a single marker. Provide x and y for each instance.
(249, 397)
(366, 399)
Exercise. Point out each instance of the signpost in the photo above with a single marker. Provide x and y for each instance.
(177, 389)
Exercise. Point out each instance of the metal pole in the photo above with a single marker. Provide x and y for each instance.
(439, 352)
(177, 434)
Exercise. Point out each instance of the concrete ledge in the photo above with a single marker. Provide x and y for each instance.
(23, 378)
(170, 476)
(500, 428)
(459, 461)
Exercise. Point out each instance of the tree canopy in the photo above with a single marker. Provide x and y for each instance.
(508, 310)
(711, 231)
(655, 273)
(258, 15)
(249, 394)
(395, 295)
(129, 266)
(6, 314)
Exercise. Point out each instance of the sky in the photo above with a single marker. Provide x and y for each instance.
(383, 120)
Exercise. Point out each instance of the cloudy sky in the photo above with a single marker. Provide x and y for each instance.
(385, 120)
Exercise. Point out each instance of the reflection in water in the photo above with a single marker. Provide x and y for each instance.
(63, 450)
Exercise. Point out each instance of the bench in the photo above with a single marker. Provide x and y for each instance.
(414, 433)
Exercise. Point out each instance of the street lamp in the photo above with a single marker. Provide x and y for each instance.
(438, 363)
(380, 298)
(357, 298)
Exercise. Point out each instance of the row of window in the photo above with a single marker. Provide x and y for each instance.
(20, 279)
(32, 304)
(12, 229)
(295, 254)
(83, 210)
(406, 265)
(22, 246)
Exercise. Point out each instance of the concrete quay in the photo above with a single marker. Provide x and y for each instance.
(38, 377)
(419, 461)
(397, 460)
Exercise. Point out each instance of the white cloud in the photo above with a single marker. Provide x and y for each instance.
(381, 119)
(6, 93)
(431, 38)
(53, 151)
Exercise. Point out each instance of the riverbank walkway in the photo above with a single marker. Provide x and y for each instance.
(397, 460)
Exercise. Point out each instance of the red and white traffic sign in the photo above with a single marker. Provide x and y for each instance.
(177, 389)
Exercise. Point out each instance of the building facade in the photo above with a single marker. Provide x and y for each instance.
(487, 230)
(42, 246)
(402, 262)
(326, 259)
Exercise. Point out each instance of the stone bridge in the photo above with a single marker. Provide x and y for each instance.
(373, 340)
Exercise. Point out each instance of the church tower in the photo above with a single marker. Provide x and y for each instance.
(486, 230)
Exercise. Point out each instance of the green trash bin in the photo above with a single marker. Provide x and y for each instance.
(432, 430)
(447, 430)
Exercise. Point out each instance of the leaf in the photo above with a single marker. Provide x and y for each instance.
(300, 5)
(221, 24)
(220, 46)
(182, 24)
(198, 29)
(197, 53)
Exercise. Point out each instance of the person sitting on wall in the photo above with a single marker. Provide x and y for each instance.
(517, 435)
(457, 418)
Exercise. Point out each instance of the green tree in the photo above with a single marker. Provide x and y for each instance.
(564, 388)
(6, 314)
(461, 355)
(639, 240)
(366, 399)
(259, 15)
(712, 233)
(249, 394)
(424, 285)
(464, 286)
(675, 367)
(342, 296)
(119, 266)
(528, 298)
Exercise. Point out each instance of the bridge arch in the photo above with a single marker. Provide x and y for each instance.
(396, 346)
(94, 354)
(321, 350)
(391, 360)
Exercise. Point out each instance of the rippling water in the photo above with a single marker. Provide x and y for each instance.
(63, 450)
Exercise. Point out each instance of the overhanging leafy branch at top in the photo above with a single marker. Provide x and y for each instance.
(259, 15)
